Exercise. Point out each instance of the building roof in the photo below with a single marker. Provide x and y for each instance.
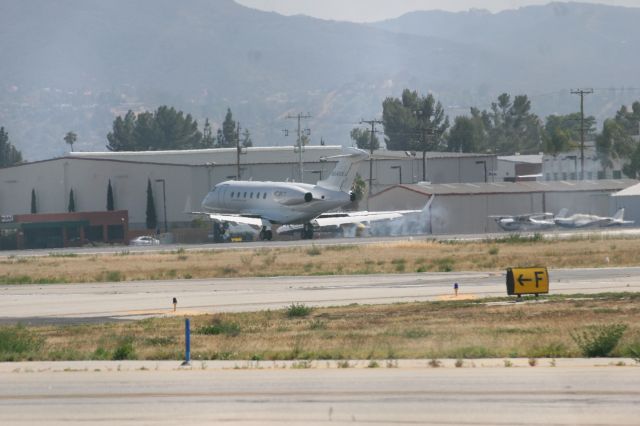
(516, 187)
(218, 156)
(631, 191)
(531, 159)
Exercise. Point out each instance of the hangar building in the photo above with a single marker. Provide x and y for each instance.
(464, 208)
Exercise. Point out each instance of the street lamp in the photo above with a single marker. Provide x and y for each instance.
(484, 163)
(399, 172)
(164, 202)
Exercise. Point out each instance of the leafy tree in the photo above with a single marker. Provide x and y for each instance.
(228, 132)
(122, 137)
(70, 138)
(613, 143)
(562, 132)
(110, 204)
(34, 207)
(9, 155)
(408, 120)
(362, 138)
(414, 122)
(151, 218)
(163, 129)
(468, 134)
(72, 202)
(512, 126)
(629, 120)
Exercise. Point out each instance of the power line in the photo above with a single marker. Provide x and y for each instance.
(581, 92)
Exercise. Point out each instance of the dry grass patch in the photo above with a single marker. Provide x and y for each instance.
(394, 257)
(428, 330)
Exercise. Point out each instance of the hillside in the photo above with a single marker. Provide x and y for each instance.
(76, 64)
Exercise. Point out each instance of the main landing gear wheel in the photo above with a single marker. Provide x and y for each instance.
(307, 231)
(265, 234)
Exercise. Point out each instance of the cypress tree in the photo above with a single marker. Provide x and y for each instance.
(109, 197)
(152, 220)
(72, 202)
(34, 210)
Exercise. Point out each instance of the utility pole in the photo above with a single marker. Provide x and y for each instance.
(300, 116)
(372, 123)
(238, 148)
(582, 92)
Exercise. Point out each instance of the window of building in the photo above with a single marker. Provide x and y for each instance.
(555, 176)
(564, 175)
(573, 176)
(548, 176)
(590, 175)
(600, 175)
(617, 174)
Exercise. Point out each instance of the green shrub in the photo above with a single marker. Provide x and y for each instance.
(220, 327)
(17, 341)
(598, 340)
(298, 310)
(125, 350)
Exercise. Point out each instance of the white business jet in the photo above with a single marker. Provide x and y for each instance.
(263, 204)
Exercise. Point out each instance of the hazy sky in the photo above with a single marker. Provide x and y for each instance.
(375, 10)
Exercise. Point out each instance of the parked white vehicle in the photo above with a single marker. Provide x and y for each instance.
(144, 240)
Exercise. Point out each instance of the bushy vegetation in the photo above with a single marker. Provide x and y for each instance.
(598, 340)
(298, 310)
(17, 343)
(220, 327)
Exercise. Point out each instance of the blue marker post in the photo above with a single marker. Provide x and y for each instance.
(187, 343)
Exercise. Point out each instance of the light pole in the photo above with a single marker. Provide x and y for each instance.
(484, 163)
(575, 164)
(164, 202)
(399, 172)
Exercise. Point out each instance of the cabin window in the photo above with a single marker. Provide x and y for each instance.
(232, 194)
(251, 195)
(245, 195)
(264, 196)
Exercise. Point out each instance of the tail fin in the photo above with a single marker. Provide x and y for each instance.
(562, 213)
(619, 214)
(427, 206)
(344, 173)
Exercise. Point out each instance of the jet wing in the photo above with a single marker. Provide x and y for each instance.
(235, 219)
(338, 219)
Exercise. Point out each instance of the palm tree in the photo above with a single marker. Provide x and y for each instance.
(70, 138)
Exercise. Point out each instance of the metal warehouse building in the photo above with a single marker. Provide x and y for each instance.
(181, 179)
(466, 207)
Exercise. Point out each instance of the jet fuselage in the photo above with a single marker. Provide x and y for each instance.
(276, 202)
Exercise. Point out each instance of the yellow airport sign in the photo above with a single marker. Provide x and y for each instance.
(527, 281)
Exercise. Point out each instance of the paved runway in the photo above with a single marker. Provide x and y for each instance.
(139, 299)
(432, 396)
